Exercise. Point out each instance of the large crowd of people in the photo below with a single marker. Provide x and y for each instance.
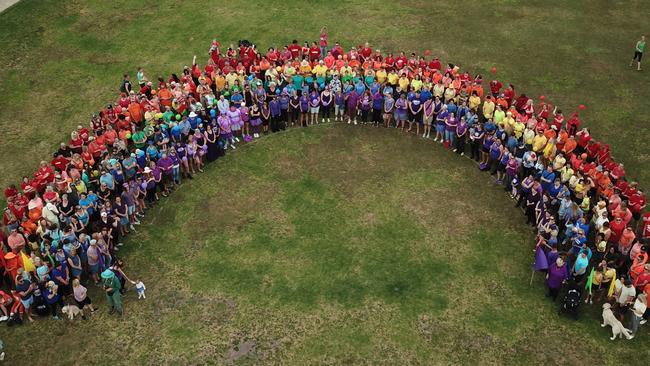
(63, 225)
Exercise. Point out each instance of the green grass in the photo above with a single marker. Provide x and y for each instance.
(330, 245)
(334, 244)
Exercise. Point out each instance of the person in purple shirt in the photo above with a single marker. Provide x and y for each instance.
(304, 109)
(225, 131)
(450, 129)
(165, 163)
(557, 274)
(351, 103)
(401, 111)
(274, 106)
(339, 105)
(441, 119)
(461, 132)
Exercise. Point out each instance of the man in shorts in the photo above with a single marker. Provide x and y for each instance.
(638, 53)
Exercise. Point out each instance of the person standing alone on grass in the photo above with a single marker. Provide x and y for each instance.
(638, 53)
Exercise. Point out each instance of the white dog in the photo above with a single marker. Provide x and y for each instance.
(72, 311)
(617, 327)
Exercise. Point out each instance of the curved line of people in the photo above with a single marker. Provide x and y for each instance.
(64, 223)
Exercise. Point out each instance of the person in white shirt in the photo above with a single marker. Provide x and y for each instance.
(638, 309)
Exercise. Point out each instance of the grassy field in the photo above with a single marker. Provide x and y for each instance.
(334, 245)
(331, 245)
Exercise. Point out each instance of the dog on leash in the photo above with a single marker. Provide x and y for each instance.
(71, 311)
(618, 330)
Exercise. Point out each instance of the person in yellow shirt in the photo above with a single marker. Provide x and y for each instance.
(450, 93)
(529, 135)
(416, 83)
(509, 123)
(404, 82)
(320, 70)
(220, 82)
(392, 78)
(499, 115)
(488, 108)
(539, 142)
(230, 79)
(346, 70)
(519, 128)
(381, 75)
(474, 101)
(439, 90)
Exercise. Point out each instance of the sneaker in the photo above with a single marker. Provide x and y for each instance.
(237, 139)
(56, 318)
(462, 154)
(2, 356)
(355, 121)
(454, 150)
(136, 223)
(349, 121)
(643, 321)
(233, 147)
(424, 135)
(4, 318)
(120, 244)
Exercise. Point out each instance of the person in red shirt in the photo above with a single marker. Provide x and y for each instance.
(401, 61)
(366, 52)
(636, 203)
(305, 50)
(617, 226)
(337, 50)
(390, 62)
(314, 52)
(495, 87)
(573, 124)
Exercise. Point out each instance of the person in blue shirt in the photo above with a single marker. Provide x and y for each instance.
(388, 90)
(236, 98)
(452, 107)
(547, 178)
(425, 94)
(375, 87)
(107, 179)
(360, 87)
(86, 203)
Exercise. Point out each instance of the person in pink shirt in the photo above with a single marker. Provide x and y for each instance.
(323, 41)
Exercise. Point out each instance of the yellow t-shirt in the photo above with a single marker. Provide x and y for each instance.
(392, 78)
(499, 116)
(404, 83)
(416, 84)
(381, 75)
(474, 101)
(488, 109)
(320, 70)
(539, 142)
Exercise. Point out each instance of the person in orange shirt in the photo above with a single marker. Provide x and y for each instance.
(135, 112)
(562, 138)
(478, 89)
(570, 144)
(165, 96)
(354, 63)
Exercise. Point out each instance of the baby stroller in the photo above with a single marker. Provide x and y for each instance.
(571, 301)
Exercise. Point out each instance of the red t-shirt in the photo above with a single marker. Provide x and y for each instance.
(295, 50)
(314, 53)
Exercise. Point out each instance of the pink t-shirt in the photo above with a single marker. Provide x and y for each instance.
(79, 293)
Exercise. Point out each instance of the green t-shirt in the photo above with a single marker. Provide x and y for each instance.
(640, 46)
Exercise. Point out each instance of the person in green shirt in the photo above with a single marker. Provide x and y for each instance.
(112, 287)
(638, 53)
(139, 139)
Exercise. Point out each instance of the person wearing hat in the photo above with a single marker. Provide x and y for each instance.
(112, 289)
